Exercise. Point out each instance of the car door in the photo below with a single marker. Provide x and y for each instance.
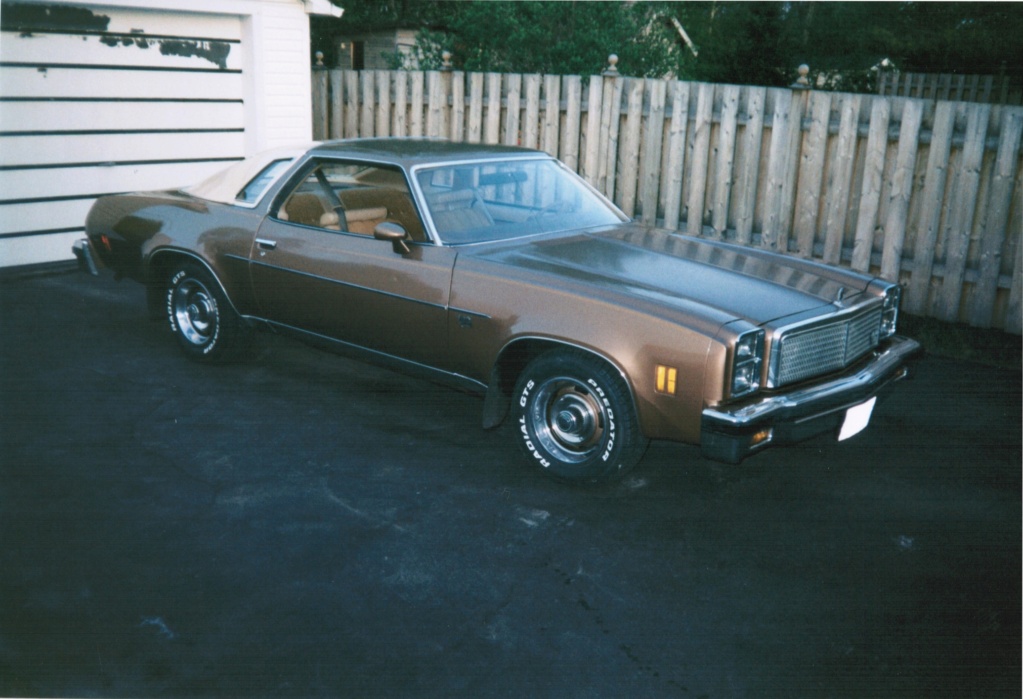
(317, 267)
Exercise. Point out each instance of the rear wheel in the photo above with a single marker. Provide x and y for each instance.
(575, 418)
(205, 325)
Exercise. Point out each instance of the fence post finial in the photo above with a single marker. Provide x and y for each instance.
(445, 57)
(802, 82)
(319, 59)
(612, 66)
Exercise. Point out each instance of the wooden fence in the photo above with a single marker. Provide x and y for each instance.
(926, 193)
(950, 87)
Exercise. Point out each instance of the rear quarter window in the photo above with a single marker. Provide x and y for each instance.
(251, 192)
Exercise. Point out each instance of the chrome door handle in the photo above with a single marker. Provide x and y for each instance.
(266, 244)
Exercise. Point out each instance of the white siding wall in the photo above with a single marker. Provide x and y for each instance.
(135, 95)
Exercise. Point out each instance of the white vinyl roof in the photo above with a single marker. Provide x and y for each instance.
(225, 185)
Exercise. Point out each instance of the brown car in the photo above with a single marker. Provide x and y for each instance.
(498, 270)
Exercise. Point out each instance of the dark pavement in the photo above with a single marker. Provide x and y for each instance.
(305, 525)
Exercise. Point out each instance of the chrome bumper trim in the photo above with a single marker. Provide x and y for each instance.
(83, 252)
(825, 398)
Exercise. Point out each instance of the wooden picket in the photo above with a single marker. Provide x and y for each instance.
(921, 191)
(948, 87)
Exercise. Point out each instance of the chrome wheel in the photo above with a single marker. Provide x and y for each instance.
(567, 418)
(195, 311)
(206, 325)
(575, 417)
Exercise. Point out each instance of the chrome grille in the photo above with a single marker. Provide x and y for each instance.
(806, 352)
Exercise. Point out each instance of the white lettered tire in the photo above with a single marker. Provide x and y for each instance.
(574, 418)
(206, 326)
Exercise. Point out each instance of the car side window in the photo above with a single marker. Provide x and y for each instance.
(352, 197)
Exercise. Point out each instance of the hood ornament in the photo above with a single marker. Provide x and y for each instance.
(839, 295)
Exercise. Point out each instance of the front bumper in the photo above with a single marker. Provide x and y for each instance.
(731, 433)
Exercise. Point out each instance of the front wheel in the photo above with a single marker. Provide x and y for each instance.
(575, 418)
(206, 327)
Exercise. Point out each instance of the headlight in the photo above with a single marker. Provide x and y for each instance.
(746, 360)
(890, 310)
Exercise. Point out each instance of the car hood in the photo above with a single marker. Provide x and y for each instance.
(673, 269)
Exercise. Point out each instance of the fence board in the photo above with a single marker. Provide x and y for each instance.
(511, 115)
(629, 165)
(474, 134)
(752, 140)
(917, 292)
(811, 173)
(982, 301)
(788, 192)
(436, 104)
(777, 165)
(700, 161)
(492, 132)
(416, 102)
(949, 87)
(383, 110)
(457, 109)
(551, 114)
(336, 110)
(610, 124)
(652, 149)
(723, 178)
(902, 190)
(569, 139)
(530, 123)
(351, 105)
(964, 205)
(320, 125)
(367, 119)
(676, 160)
(399, 125)
(594, 106)
(840, 184)
(870, 193)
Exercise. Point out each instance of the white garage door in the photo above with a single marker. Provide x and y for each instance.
(100, 100)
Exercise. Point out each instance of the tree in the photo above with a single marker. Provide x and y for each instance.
(738, 42)
(553, 37)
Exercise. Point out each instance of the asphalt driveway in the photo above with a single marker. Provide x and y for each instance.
(302, 524)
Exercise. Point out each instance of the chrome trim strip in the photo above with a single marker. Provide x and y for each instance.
(338, 282)
(878, 372)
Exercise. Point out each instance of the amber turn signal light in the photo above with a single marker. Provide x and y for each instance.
(666, 379)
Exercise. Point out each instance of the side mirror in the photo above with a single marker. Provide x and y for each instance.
(394, 233)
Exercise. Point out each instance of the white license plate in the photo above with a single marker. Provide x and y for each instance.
(856, 419)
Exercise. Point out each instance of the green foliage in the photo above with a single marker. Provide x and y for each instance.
(738, 42)
(554, 37)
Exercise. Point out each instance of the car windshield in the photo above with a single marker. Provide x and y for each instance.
(488, 200)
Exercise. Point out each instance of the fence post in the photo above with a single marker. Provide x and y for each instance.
(321, 113)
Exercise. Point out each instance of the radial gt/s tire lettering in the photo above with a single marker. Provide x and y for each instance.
(206, 326)
(575, 419)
